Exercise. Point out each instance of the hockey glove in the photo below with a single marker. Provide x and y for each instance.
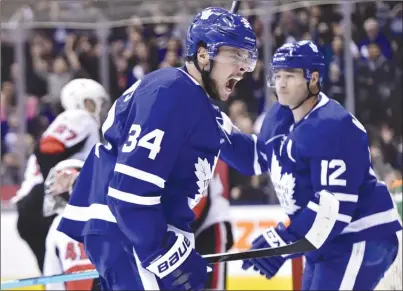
(271, 238)
(178, 265)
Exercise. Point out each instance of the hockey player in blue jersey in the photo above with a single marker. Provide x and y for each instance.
(318, 159)
(132, 202)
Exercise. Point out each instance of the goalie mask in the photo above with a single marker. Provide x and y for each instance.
(59, 184)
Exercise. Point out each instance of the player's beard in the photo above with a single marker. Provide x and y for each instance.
(210, 86)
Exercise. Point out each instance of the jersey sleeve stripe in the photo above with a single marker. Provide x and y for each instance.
(372, 220)
(139, 174)
(344, 197)
(132, 198)
(340, 217)
(94, 211)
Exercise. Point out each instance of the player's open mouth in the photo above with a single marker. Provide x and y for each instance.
(231, 83)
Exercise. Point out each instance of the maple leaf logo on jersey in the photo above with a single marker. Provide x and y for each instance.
(204, 174)
(284, 185)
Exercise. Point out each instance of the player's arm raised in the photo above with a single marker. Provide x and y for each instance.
(243, 152)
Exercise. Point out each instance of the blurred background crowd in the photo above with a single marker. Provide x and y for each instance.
(58, 54)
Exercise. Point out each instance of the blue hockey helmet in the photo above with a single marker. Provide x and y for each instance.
(303, 55)
(218, 27)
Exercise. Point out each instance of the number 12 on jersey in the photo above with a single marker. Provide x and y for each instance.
(151, 140)
(333, 178)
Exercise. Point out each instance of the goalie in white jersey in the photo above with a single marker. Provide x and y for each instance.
(63, 254)
(71, 135)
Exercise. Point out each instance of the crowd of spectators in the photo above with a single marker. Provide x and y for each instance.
(55, 56)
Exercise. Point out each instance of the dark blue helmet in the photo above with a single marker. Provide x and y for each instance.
(303, 55)
(218, 27)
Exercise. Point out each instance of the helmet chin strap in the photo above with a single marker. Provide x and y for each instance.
(310, 95)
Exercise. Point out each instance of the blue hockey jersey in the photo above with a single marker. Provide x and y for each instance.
(162, 145)
(326, 150)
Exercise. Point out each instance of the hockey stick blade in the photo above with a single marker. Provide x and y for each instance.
(235, 6)
(300, 246)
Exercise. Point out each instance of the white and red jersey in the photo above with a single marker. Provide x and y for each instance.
(71, 135)
(70, 128)
(65, 255)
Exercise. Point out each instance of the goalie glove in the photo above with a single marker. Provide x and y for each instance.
(178, 265)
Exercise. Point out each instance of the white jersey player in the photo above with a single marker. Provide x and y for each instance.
(70, 135)
(63, 254)
(73, 132)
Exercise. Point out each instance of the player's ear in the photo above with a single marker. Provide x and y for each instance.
(203, 57)
(314, 83)
(89, 105)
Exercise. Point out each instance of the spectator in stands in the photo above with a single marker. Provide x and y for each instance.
(88, 50)
(122, 73)
(170, 60)
(7, 102)
(139, 60)
(9, 169)
(246, 189)
(7, 96)
(290, 26)
(374, 35)
(391, 146)
(59, 76)
(237, 109)
(375, 84)
(335, 87)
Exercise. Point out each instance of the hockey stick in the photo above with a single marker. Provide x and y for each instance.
(300, 246)
(235, 6)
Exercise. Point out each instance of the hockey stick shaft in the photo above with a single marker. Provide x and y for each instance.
(235, 6)
(298, 247)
